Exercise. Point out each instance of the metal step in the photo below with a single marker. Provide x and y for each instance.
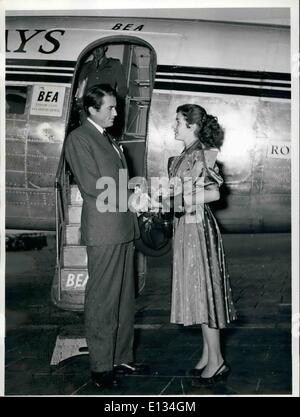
(75, 196)
(73, 234)
(67, 347)
(68, 288)
(74, 256)
(74, 214)
(72, 279)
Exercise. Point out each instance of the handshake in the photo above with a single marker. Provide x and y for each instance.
(176, 198)
(159, 199)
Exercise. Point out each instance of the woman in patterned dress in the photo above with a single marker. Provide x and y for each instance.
(201, 292)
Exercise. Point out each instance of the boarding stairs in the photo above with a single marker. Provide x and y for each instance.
(71, 258)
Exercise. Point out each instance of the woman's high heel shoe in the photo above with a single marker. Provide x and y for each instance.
(195, 372)
(221, 374)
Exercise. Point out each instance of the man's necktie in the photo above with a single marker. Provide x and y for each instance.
(116, 147)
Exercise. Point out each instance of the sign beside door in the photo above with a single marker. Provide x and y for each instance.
(47, 100)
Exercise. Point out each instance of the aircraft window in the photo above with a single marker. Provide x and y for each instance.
(15, 99)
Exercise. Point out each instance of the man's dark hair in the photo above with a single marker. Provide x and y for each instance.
(94, 96)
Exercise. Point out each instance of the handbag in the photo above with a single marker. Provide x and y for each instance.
(156, 229)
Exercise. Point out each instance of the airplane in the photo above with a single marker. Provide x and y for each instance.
(237, 71)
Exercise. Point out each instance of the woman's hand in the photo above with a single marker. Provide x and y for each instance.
(198, 198)
(139, 202)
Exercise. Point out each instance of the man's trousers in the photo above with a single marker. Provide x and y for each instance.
(109, 305)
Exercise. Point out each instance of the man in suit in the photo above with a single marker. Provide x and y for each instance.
(108, 235)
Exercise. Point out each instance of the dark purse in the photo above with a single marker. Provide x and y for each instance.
(156, 229)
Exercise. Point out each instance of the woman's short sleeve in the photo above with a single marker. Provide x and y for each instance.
(213, 179)
(206, 171)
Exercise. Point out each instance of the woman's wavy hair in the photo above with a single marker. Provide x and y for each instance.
(209, 132)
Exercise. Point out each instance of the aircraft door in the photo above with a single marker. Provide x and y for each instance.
(139, 91)
(139, 63)
(34, 134)
(130, 69)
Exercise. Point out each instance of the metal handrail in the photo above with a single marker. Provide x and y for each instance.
(61, 202)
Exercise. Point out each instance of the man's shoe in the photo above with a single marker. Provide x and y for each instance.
(131, 369)
(104, 379)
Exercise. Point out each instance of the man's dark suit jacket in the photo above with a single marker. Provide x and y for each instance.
(91, 156)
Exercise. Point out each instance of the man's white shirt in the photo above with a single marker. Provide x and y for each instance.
(101, 130)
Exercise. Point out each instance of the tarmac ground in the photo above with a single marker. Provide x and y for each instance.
(257, 346)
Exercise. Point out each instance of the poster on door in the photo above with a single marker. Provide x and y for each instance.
(47, 100)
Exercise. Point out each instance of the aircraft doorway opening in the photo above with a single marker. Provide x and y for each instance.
(130, 69)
